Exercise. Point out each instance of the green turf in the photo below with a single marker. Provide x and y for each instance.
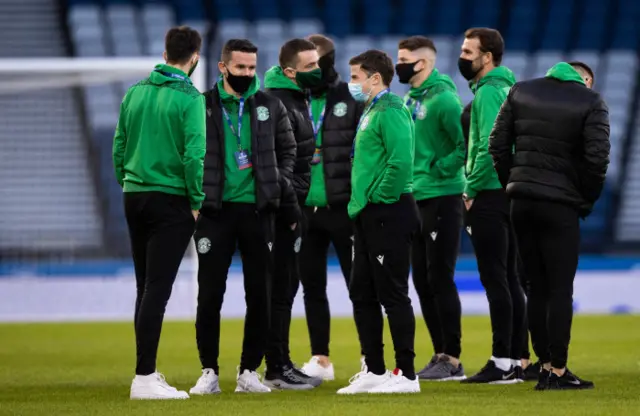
(86, 369)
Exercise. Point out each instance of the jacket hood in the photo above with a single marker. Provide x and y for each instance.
(275, 78)
(158, 78)
(498, 73)
(253, 88)
(435, 79)
(562, 71)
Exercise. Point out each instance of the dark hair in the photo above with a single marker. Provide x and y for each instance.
(181, 43)
(417, 42)
(584, 67)
(237, 45)
(288, 57)
(490, 41)
(373, 61)
(323, 43)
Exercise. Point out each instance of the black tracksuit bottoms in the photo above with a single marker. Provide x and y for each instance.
(235, 225)
(323, 226)
(491, 233)
(435, 252)
(380, 276)
(548, 236)
(285, 283)
(160, 227)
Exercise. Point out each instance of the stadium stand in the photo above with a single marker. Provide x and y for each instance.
(538, 34)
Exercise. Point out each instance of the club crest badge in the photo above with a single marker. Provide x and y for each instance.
(204, 245)
(263, 113)
(340, 109)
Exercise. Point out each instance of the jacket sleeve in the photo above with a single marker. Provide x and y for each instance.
(195, 143)
(486, 106)
(596, 147)
(285, 144)
(120, 143)
(398, 139)
(450, 110)
(501, 141)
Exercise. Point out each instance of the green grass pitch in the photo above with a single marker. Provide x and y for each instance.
(86, 369)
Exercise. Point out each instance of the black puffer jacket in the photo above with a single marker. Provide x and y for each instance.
(338, 131)
(295, 101)
(560, 129)
(273, 155)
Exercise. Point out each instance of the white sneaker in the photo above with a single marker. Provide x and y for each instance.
(250, 382)
(363, 382)
(397, 383)
(154, 387)
(207, 383)
(363, 365)
(314, 369)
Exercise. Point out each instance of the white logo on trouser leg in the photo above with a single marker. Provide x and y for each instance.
(353, 248)
(434, 235)
(297, 245)
(270, 245)
(380, 259)
(204, 245)
(469, 230)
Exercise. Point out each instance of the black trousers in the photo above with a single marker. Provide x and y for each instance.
(160, 227)
(287, 247)
(435, 252)
(235, 225)
(493, 241)
(380, 276)
(549, 240)
(323, 226)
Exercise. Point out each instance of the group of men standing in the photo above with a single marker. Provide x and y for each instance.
(311, 160)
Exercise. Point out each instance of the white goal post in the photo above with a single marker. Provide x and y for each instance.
(28, 74)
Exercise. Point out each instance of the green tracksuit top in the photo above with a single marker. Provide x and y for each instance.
(383, 154)
(239, 184)
(490, 92)
(439, 160)
(160, 142)
(317, 191)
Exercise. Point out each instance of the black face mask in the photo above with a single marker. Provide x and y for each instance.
(406, 71)
(466, 69)
(327, 64)
(239, 83)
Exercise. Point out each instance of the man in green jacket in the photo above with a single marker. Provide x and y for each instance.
(158, 154)
(487, 208)
(385, 217)
(438, 183)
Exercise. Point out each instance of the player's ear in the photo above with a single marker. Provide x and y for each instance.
(164, 56)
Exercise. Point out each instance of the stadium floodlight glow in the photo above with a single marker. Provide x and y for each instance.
(29, 74)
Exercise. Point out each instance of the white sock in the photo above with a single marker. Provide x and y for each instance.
(516, 363)
(503, 364)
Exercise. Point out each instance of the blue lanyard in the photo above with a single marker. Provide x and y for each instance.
(226, 117)
(418, 103)
(364, 114)
(318, 125)
(176, 76)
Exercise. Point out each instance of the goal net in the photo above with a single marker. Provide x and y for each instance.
(60, 200)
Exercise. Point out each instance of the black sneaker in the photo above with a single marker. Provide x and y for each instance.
(428, 367)
(543, 379)
(314, 381)
(532, 371)
(286, 378)
(490, 374)
(519, 374)
(443, 370)
(568, 381)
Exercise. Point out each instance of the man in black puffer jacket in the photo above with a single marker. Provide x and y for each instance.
(290, 82)
(550, 147)
(248, 169)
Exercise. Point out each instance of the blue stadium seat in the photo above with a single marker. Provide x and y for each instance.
(626, 26)
(485, 13)
(294, 9)
(263, 9)
(448, 18)
(377, 19)
(338, 18)
(593, 25)
(558, 32)
(228, 10)
(411, 18)
(522, 25)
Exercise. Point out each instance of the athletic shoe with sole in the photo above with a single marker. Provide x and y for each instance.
(543, 380)
(363, 382)
(429, 365)
(397, 383)
(532, 371)
(206, 384)
(249, 382)
(568, 381)
(286, 379)
(154, 387)
(314, 369)
(443, 370)
(490, 374)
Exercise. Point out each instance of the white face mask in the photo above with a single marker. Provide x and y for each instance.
(356, 91)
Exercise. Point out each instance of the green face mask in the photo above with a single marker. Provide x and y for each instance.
(310, 79)
(193, 68)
